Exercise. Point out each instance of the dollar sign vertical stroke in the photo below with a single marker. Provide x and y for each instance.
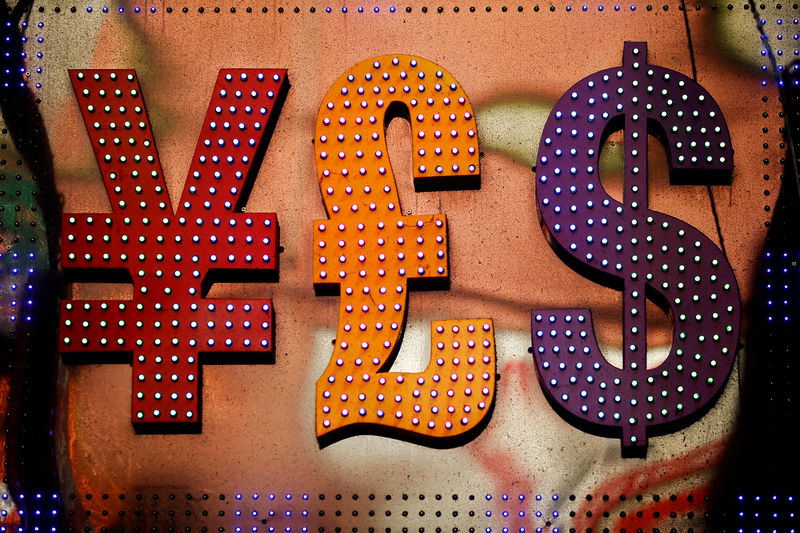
(645, 253)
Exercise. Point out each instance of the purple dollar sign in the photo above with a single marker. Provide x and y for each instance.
(649, 254)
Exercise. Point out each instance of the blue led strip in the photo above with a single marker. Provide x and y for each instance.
(25, 54)
(763, 464)
(135, 9)
(285, 512)
(34, 512)
(780, 36)
(282, 511)
(28, 210)
(502, 513)
(756, 514)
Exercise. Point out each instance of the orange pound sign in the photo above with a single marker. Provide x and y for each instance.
(369, 251)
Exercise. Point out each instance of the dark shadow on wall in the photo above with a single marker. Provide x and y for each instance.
(757, 486)
(28, 285)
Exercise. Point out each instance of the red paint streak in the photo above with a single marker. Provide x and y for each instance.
(523, 369)
(89, 480)
(649, 478)
(12, 520)
(659, 512)
(504, 467)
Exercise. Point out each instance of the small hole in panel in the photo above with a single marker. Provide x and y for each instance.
(413, 351)
(118, 289)
(661, 197)
(398, 148)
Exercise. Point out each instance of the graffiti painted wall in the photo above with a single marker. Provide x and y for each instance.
(256, 202)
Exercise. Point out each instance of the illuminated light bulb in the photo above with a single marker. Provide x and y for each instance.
(130, 235)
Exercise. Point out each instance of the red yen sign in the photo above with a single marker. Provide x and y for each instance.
(171, 255)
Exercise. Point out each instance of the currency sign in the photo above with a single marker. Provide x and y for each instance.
(644, 253)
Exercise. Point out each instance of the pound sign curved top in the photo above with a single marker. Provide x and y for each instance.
(369, 250)
(644, 253)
